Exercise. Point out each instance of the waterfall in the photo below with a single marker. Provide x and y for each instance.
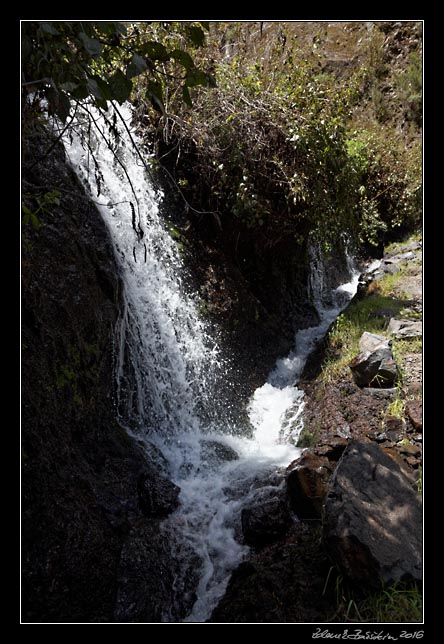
(169, 370)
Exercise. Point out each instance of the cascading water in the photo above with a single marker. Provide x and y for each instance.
(169, 369)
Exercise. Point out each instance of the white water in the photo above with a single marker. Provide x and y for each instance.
(169, 370)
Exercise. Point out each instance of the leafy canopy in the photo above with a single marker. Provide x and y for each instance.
(72, 61)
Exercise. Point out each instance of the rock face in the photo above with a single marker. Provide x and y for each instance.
(307, 484)
(414, 412)
(215, 452)
(265, 522)
(373, 518)
(375, 365)
(158, 496)
(284, 582)
(86, 485)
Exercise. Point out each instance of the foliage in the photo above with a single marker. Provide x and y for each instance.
(65, 62)
(273, 149)
(308, 437)
(267, 148)
(398, 602)
(44, 202)
(390, 182)
(409, 86)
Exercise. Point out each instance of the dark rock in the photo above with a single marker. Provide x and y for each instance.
(283, 583)
(375, 363)
(373, 518)
(266, 522)
(394, 424)
(405, 328)
(379, 394)
(332, 450)
(414, 413)
(215, 451)
(409, 450)
(80, 468)
(307, 485)
(145, 580)
(157, 495)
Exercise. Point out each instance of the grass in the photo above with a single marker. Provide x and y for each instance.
(360, 316)
(399, 602)
(384, 299)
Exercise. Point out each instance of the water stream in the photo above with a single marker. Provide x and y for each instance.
(169, 368)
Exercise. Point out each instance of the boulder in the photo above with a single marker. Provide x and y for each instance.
(375, 364)
(373, 518)
(371, 341)
(405, 328)
(146, 579)
(266, 522)
(215, 451)
(414, 412)
(307, 485)
(157, 495)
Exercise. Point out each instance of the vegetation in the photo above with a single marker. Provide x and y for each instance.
(285, 145)
(397, 602)
(276, 140)
(67, 62)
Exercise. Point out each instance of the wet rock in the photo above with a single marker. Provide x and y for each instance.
(414, 413)
(307, 485)
(266, 522)
(214, 451)
(405, 328)
(157, 495)
(373, 518)
(145, 580)
(281, 583)
(375, 364)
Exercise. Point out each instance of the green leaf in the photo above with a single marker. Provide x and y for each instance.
(155, 51)
(93, 47)
(63, 107)
(80, 91)
(49, 28)
(101, 102)
(197, 77)
(120, 86)
(182, 58)
(104, 87)
(68, 86)
(186, 96)
(35, 221)
(136, 66)
(111, 28)
(205, 25)
(196, 35)
(26, 210)
(94, 89)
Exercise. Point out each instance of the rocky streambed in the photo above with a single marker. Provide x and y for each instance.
(350, 507)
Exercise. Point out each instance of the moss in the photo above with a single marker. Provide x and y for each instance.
(308, 437)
